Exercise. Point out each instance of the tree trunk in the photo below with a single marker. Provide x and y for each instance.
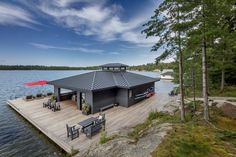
(193, 82)
(222, 75)
(204, 80)
(204, 69)
(182, 110)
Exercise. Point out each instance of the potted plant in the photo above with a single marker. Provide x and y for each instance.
(53, 97)
(86, 109)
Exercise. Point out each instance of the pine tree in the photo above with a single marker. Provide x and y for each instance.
(166, 24)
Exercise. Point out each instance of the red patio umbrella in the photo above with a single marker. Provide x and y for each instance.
(41, 82)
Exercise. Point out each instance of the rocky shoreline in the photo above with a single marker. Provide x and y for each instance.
(123, 146)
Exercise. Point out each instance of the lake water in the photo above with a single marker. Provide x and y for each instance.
(17, 136)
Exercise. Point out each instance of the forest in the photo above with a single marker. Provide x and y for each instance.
(201, 35)
(153, 66)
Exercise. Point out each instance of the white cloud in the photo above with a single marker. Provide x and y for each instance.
(79, 49)
(95, 18)
(14, 15)
(114, 53)
(65, 3)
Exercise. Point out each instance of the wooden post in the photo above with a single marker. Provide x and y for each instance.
(57, 92)
(79, 102)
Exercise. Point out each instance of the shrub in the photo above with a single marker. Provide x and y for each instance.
(53, 97)
(189, 147)
(104, 138)
(86, 108)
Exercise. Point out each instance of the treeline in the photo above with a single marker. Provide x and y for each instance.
(40, 67)
(144, 67)
(202, 34)
(152, 66)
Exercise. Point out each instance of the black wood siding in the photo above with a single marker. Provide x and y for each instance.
(103, 98)
(138, 90)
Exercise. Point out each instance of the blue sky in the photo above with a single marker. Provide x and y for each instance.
(75, 32)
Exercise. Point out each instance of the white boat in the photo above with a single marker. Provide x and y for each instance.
(167, 74)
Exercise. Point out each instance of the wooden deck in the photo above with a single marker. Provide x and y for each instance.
(52, 124)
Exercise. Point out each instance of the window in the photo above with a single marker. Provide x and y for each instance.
(130, 93)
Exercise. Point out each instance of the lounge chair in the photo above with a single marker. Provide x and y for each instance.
(174, 92)
(95, 127)
(28, 97)
(49, 94)
(38, 96)
(72, 131)
(56, 107)
(171, 93)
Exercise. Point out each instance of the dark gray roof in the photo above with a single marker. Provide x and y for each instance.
(114, 65)
(98, 80)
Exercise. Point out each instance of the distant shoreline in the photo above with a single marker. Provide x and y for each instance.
(144, 67)
(39, 67)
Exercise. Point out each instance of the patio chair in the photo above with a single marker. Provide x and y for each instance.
(46, 104)
(52, 104)
(49, 94)
(56, 107)
(28, 97)
(95, 128)
(171, 93)
(72, 131)
(38, 96)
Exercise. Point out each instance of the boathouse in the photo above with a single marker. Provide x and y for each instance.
(113, 84)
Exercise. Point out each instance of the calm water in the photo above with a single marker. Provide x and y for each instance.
(17, 136)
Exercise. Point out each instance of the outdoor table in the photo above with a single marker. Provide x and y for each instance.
(87, 122)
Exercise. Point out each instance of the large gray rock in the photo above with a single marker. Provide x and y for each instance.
(125, 147)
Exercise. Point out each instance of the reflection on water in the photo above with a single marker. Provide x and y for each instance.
(18, 137)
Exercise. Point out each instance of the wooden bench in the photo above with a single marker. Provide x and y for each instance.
(106, 107)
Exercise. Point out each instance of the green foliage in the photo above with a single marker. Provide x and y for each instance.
(226, 134)
(53, 97)
(152, 66)
(86, 108)
(190, 147)
(165, 23)
(104, 138)
(229, 91)
(213, 21)
(162, 117)
(138, 130)
(197, 138)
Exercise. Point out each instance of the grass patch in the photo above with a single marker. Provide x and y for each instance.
(229, 91)
(222, 121)
(104, 138)
(227, 135)
(197, 138)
